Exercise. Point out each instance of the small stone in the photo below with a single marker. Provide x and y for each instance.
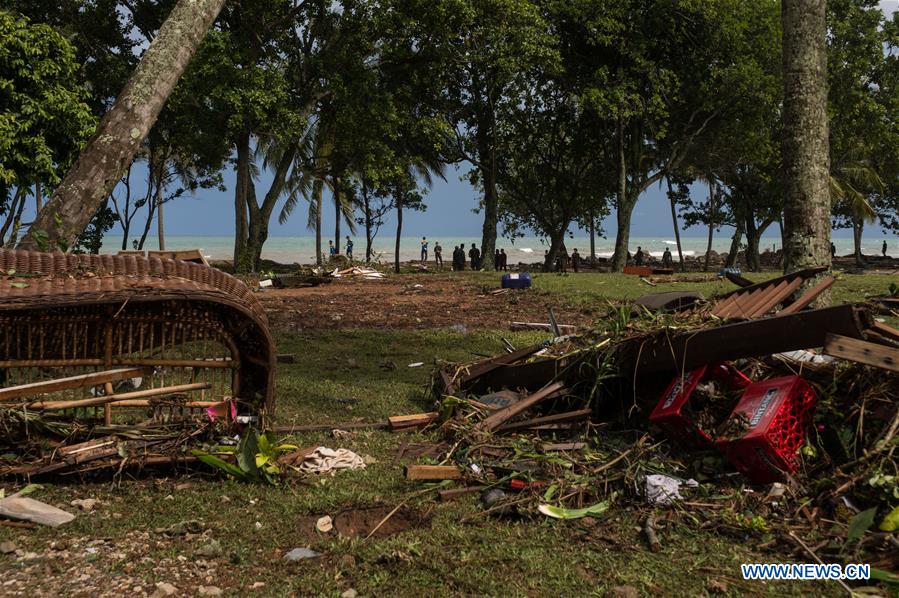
(86, 504)
(324, 524)
(257, 584)
(351, 593)
(183, 486)
(164, 589)
(169, 497)
(298, 554)
(258, 525)
(7, 547)
(211, 549)
(209, 591)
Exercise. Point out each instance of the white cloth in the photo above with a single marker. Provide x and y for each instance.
(326, 460)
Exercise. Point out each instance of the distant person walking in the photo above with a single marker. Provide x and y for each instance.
(474, 254)
(638, 258)
(438, 255)
(575, 260)
(349, 248)
(424, 249)
(332, 251)
(497, 261)
(503, 258)
(883, 249)
(667, 261)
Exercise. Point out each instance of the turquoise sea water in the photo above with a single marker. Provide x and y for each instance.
(528, 249)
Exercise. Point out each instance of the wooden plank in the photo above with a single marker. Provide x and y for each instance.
(808, 297)
(738, 280)
(328, 427)
(92, 379)
(496, 419)
(548, 419)
(887, 331)
(433, 472)
(776, 298)
(879, 356)
(807, 273)
(563, 446)
(563, 328)
(478, 369)
(139, 394)
(748, 305)
(671, 351)
(415, 420)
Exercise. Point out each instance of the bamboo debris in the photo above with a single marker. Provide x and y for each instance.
(72, 382)
(119, 398)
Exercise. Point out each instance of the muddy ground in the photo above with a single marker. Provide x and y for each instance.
(410, 302)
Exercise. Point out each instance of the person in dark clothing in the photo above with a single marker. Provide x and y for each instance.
(667, 261)
(474, 255)
(638, 258)
(461, 257)
(503, 259)
(497, 261)
(563, 259)
(575, 260)
(455, 258)
(883, 249)
(833, 250)
(438, 255)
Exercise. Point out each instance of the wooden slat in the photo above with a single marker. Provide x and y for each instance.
(497, 418)
(808, 297)
(480, 368)
(746, 307)
(402, 422)
(139, 394)
(433, 472)
(887, 331)
(454, 493)
(548, 419)
(776, 298)
(92, 379)
(807, 273)
(738, 280)
(737, 306)
(879, 356)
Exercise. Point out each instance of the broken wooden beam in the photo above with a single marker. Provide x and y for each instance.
(433, 472)
(879, 356)
(117, 398)
(672, 351)
(563, 328)
(738, 280)
(563, 446)
(72, 382)
(290, 429)
(809, 296)
(454, 493)
(496, 419)
(416, 420)
(547, 419)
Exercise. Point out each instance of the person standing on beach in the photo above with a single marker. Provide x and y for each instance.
(504, 265)
(667, 261)
(424, 249)
(496, 260)
(475, 256)
(438, 255)
(638, 257)
(883, 249)
(461, 257)
(349, 248)
(833, 250)
(575, 260)
(332, 251)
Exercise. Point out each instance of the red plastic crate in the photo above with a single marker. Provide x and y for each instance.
(669, 412)
(775, 415)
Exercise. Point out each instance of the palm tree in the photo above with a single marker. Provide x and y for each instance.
(851, 184)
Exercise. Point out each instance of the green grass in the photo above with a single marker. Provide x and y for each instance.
(460, 552)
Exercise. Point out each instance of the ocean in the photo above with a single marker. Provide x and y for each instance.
(289, 250)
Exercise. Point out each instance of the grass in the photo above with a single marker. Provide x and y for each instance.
(339, 377)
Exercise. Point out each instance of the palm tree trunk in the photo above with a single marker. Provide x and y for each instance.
(317, 186)
(38, 198)
(735, 240)
(592, 238)
(117, 139)
(160, 221)
(858, 227)
(241, 189)
(680, 251)
(622, 236)
(337, 214)
(399, 233)
(806, 154)
(712, 209)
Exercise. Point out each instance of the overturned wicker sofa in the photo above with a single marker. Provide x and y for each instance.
(106, 336)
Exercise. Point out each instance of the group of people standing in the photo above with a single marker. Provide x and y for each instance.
(474, 257)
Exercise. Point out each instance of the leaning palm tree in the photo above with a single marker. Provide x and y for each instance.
(852, 183)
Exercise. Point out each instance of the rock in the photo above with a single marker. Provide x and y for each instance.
(298, 554)
(86, 504)
(209, 591)
(7, 547)
(623, 592)
(257, 584)
(164, 589)
(258, 525)
(351, 593)
(324, 524)
(211, 549)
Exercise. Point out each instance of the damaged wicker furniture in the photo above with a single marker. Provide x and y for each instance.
(119, 339)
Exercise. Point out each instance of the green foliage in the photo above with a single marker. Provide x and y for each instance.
(44, 118)
(256, 455)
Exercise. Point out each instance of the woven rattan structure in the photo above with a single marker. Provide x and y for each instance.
(200, 334)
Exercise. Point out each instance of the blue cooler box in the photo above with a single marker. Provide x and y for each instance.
(517, 281)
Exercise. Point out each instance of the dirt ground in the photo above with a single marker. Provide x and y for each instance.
(409, 302)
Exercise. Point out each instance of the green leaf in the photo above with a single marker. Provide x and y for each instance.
(19, 285)
(563, 513)
(217, 463)
(860, 523)
(29, 489)
(246, 453)
(885, 576)
(890, 523)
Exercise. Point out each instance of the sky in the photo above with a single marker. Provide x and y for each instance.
(451, 206)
